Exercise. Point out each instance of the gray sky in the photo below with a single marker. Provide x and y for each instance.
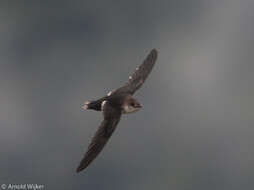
(195, 130)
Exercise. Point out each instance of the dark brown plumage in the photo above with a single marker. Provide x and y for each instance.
(107, 127)
(113, 105)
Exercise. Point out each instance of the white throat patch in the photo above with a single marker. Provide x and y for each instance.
(129, 109)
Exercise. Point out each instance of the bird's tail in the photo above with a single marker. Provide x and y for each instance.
(86, 105)
(92, 105)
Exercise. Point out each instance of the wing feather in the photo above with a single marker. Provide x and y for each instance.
(107, 127)
(139, 76)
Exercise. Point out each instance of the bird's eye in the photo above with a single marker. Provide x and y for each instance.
(132, 104)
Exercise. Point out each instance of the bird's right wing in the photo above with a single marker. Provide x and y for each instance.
(107, 127)
(139, 76)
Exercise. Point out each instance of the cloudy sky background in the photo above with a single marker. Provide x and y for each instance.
(196, 128)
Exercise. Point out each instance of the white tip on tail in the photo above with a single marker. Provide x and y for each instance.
(85, 106)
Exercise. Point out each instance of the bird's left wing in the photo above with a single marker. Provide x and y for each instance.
(107, 127)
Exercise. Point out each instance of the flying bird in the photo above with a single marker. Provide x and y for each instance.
(113, 105)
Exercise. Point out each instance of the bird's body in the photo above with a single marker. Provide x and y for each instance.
(113, 105)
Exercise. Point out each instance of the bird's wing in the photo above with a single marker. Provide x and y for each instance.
(139, 76)
(107, 127)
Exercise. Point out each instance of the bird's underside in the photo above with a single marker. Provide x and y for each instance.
(113, 105)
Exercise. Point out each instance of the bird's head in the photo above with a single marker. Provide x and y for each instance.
(131, 105)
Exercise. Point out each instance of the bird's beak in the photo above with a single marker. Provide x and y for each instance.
(138, 105)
